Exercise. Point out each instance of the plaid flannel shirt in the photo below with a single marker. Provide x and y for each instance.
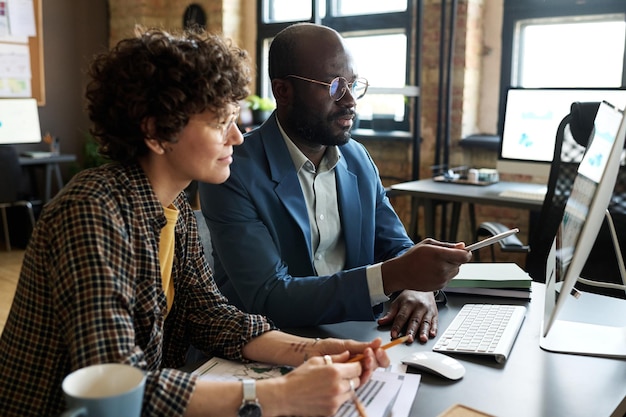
(90, 292)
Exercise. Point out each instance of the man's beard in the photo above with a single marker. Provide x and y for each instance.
(315, 129)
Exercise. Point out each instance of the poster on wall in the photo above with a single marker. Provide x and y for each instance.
(4, 20)
(21, 16)
(15, 74)
(17, 23)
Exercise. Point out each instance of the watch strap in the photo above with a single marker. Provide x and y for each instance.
(249, 390)
(250, 406)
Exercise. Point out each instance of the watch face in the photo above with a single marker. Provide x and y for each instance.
(250, 410)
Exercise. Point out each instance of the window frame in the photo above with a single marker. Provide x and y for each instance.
(346, 25)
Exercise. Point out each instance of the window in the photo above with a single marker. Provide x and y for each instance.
(378, 33)
(586, 51)
(286, 10)
(562, 44)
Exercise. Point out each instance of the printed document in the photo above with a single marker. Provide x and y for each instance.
(385, 394)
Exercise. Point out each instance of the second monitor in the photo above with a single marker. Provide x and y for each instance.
(19, 121)
(531, 119)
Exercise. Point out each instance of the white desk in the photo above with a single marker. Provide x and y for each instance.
(532, 383)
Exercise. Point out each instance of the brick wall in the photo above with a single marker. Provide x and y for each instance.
(236, 19)
(223, 16)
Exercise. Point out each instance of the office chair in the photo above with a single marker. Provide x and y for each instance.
(572, 137)
(205, 237)
(11, 172)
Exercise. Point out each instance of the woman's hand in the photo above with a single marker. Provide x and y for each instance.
(318, 387)
(341, 350)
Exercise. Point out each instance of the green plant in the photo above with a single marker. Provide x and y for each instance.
(92, 156)
(259, 103)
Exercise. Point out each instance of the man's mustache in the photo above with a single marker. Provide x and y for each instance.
(343, 114)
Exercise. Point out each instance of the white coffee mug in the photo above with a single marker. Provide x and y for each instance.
(105, 390)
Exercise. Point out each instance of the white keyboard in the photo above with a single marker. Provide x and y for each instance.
(483, 329)
(538, 194)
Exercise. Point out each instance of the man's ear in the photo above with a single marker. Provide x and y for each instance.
(283, 90)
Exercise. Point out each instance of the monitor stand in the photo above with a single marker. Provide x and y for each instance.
(592, 339)
(585, 339)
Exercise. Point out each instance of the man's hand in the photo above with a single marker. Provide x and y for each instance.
(412, 312)
(427, 266)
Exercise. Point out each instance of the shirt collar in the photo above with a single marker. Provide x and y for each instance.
(138, 184)
(329, 161)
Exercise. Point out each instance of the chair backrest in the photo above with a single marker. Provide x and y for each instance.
(205, 237)
(602, 264)
(10, 174)
(572, 137)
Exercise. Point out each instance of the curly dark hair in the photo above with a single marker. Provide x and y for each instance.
(161, 77)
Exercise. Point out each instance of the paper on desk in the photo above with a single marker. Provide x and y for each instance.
(406, 396)
(378, 395)
(218, 369)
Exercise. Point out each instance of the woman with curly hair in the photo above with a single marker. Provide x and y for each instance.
(115, 271)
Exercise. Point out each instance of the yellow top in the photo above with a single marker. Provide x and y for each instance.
(166, 254)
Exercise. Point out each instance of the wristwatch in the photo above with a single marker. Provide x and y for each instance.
(250, 406)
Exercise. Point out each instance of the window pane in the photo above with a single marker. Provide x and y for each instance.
(266, 85)
(286, 10)
(356, 7)
(382, 60)
(570, 53)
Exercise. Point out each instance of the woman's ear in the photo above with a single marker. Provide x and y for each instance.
(155, 145)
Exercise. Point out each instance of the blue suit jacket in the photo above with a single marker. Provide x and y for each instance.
(262, 242)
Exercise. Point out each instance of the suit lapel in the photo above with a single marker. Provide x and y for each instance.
(349, 210)
(282, 172)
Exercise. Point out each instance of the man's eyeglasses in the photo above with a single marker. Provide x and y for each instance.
(338, 86)
(225, 126)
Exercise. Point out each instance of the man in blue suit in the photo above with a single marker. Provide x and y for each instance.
(303, 231)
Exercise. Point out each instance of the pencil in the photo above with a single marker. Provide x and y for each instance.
(358, 405)
(387, 346)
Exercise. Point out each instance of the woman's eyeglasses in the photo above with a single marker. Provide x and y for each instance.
(225, 126)
(338, 86)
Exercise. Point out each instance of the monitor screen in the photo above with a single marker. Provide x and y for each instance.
(531, 119)
(583, 216)
(19, 121)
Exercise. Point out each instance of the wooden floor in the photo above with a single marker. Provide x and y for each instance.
(10, 265)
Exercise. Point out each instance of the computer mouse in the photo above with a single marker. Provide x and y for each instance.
(436, 363)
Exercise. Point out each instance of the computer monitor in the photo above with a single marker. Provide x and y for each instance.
(19, 121)
(584, 214)
(530, 122)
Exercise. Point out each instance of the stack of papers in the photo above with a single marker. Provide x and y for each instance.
(497, 279)
(385, 394)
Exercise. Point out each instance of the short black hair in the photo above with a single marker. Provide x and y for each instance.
(283, 54)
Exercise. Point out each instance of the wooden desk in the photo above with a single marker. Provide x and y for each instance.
(532, 383)
(429, 193)
(51, 164)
